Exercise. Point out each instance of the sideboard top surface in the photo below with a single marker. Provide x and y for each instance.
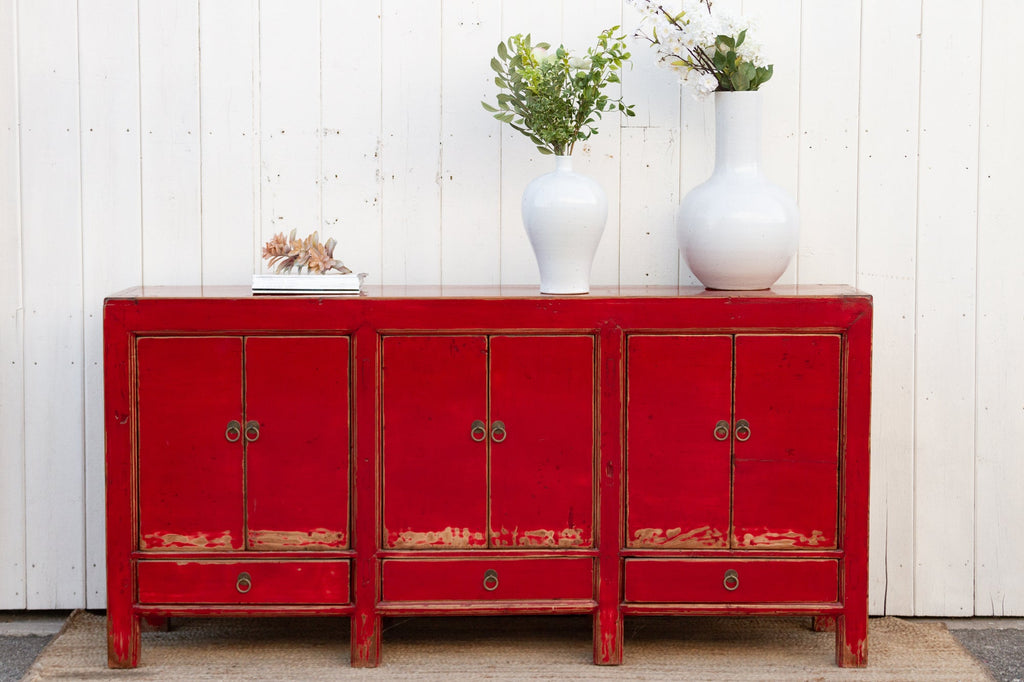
(498, 292)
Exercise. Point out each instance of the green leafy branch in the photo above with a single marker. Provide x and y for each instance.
(732, 72)
(555, 98)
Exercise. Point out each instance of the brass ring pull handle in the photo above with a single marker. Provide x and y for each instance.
(233, 432)
(478, 431)
(252, 430)
(742, 430)
(722, 430)
(244, 582)
(498, 432)
(731, 581)
(490, 580)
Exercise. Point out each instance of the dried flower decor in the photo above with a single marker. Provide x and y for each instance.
(309, 253)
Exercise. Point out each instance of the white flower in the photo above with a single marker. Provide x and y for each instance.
(707, 82)
(687, 45)
(581, 63)
(751, 51)
(701, 85)
(674, 43)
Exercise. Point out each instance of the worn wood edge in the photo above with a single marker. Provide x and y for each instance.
(243, 610)
(766, 609)
(494, 608)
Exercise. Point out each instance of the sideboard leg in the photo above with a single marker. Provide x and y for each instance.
(155, 624)
(824, 624)
(608, 636)
(122, 638)
(852, 640)
(365, 640)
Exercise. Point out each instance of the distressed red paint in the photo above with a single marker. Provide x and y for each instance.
(599, 481)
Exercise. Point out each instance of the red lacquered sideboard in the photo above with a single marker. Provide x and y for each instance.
(430, 451)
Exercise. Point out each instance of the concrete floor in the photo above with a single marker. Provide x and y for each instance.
(22, 636)
(996, 642)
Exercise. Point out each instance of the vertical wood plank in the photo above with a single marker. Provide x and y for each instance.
(828, 141)
(1000, 373)
(111, 224)
(649, 187)
(169, 95)
(598, 157)
(608, 623)
(852, 626)
(229, 171)
(365, 637)
(777, 26)
(121, 527)
(411, 140)
(946, 308)
(12, 368)
(886, 263)
(289, 117)
(520, 160)
(471, 139)
(350, 55)
(54, 353)
(648, 248)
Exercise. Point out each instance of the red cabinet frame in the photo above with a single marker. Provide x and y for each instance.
(611, 577)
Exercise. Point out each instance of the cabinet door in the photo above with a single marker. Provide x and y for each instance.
(190, 473)
(542, 441)
(297, 467)
(435, 474)
(678, 460)
(786, 477)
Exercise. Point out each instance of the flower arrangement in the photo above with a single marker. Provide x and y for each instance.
(710, 50)
(309, 253)
(553, 97)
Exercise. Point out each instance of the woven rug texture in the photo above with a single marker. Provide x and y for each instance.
(507, 648)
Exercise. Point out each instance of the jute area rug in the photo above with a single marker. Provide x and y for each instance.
(503, 648)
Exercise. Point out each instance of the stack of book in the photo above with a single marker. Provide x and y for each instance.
(332, 283)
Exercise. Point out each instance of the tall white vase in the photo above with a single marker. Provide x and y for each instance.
(737, 230)
(564, 214)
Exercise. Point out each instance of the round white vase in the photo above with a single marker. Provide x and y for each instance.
(564, 214)
(737, 230)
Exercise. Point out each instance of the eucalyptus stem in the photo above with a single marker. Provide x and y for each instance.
(553, 97)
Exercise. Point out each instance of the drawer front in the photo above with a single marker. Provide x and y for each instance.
(715, 581)
(487, 580)
(243, 582)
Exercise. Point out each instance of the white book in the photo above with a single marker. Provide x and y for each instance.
(331, 283)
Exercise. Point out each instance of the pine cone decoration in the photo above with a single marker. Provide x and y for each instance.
(309, 253)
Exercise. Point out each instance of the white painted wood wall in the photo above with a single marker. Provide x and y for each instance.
(157, 142)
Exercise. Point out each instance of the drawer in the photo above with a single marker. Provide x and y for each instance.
(487, 579)
(243, 582)
(715, 581)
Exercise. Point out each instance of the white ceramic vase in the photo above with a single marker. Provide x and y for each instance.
(564, 214)
(737, 230)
